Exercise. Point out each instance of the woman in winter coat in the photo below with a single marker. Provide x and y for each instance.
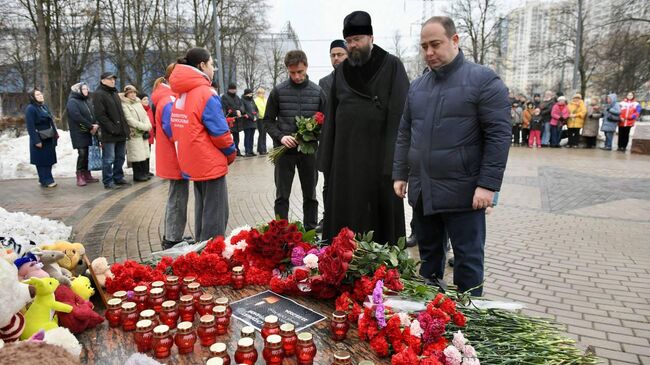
(42, 138)
(82, 124)
(203, 140)
(611, 117)
(137, 147)
(146, 104)
(559, 116)
(577, 114)
(590, 129)
(630, 113)
(249, 121)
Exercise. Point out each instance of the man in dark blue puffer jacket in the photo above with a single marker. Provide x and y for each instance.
(452, 147)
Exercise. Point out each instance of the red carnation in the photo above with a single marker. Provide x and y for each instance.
(379, 345)
(459, 319)
(319, 118)
(405, 357)
(430, 361)
(448, 306)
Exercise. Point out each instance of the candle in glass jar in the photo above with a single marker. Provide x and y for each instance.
(248, 331)
(185, 338)
(143, 335)
(187, 281)
(186, 308)
(271, 326)
(273, 353)
(194, 289)
(120, 294)
(162, 342)
(237, 277)
(129, 316)
(342, 358)
(207, 332)
(215, 361)
(222, 322)
(246, 352)
(226, 303)
(339, 326)
(156, 299)
(158, 284)
(206, 303)
(140, 297)
(149, 314)
(289, 339)
(172, 288)
(114, 312)
(305, 349)
(219, 350)
(169, 314)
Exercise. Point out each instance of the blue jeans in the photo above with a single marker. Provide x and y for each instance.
(113, 156)
(248, 140)
(546, 134)
(556, 131)
(609, 138)
(44, 174)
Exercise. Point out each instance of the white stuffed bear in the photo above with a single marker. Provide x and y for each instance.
(14, 296)
(102, 270)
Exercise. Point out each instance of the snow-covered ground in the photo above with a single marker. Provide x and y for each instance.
(23, 228)
(14, 158)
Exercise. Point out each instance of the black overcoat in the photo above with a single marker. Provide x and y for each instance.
(80, 119)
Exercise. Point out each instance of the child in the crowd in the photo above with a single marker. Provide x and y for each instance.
(515, 115)
(536, 126)
(525, 121)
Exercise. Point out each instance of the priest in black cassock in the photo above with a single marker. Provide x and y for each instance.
(365, 105)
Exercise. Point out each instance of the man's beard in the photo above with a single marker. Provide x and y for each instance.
(359, 56)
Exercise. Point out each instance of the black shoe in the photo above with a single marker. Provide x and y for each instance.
(435, 282)
(122, 182)
(252, 154)
(263, 153)
(239, 154)
(450, 261)
(150, 174)
(605, 148)
(319, 227)
(112, 187)
(167, 244)
(411, 241)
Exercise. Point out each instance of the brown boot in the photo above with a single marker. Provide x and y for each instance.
(89, 178)
(81, 180)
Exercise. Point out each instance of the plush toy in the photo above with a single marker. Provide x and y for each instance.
(39, 315)
(81, 286)
(14, 296)
(102, 270)
(50, 265)
(82, 315)
(73, 253)
(29, 267)
(8, 254)
(37, 352)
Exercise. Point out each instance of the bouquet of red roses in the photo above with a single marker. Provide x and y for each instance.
(307, 136)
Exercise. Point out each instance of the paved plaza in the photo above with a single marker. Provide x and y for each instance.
(570, 238)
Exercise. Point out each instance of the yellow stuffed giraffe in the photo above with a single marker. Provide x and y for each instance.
(40, 314)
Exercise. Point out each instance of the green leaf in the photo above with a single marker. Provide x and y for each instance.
(393, 259)
(309, 236)
(401, 243)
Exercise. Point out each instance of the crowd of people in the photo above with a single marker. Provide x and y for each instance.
(381, 137)
(540, 122)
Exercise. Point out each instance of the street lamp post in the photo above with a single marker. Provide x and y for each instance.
(217, 45)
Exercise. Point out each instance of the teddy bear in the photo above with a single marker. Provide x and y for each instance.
(29, 266)
(73, 253)
(38, 315)
(82, 315)
(15, 296)
(81, 286)
(101, 270)
(50, 265)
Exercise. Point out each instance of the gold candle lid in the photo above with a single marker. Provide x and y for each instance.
(140, 289)
(121, 294)
(273, 339)
(169, 304)
(221, 301)
(305, 336)
(114, 303)
(245, 342)
(161, 329)
(207, 319)
(156, 292)
(219, 310)
(238, 269)
(366, 362)
(214, 361)
(189, 279)
(128, 306)
(187, 299)
(341, 355)
(287, 327)
(172, 279)
(339, 315)
(193, 286)
(218, 347)
(143, 324)
(158, 284)
(206, 298)
(147, 313)
(248, 330)
(184, 327)
(271, 319)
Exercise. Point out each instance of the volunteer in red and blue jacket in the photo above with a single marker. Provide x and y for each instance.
(167, 163)
(451, 150)
(630, 113)
(204, 145)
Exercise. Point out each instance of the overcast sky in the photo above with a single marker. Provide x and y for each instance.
(317, 23)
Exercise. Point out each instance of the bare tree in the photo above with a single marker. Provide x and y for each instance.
(476, 22)
(398, 50)
(626, 62)
(275, 58)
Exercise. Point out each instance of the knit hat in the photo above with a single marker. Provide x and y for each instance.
(130, 88)
(338, 43)
(561, 98)
(357, 23)
(247, 91)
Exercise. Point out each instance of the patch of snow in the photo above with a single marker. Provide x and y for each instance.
(23, 228)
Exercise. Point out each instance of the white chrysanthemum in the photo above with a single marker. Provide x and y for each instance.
(311, 261)
(415, 328)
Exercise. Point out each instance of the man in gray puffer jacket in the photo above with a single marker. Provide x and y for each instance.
(452, 147)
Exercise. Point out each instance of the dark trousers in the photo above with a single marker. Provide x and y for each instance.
(466, 231)
(82, 159)
(210, 208)
(235, 139)
(574, 136)
(590, 142)
(556, 130)
(516, 134)
(249, 134)
(285, 170)
(140, 172)
(44, 174)
(113, 157)
(261, 137)
(623, 137)
(525, 133)
(176, 210)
